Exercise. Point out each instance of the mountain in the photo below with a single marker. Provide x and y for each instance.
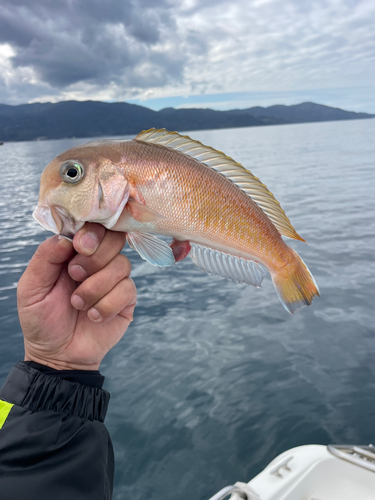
(94, 119)
(303, 113)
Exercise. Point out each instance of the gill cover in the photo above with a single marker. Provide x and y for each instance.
(112, 196)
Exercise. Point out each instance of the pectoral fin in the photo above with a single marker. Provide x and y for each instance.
(143, 214)
(150, 248)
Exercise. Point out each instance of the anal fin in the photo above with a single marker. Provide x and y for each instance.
(227, 266)
(150, 248)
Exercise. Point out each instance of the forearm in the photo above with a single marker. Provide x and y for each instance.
(53, 443)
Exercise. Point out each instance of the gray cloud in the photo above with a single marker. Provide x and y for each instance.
(122, 49)
(70, 42)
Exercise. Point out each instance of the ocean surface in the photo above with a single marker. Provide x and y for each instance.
(214, 379)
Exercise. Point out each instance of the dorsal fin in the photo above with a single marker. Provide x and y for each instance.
(231, 169)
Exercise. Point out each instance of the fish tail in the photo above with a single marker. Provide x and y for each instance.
(295, 285)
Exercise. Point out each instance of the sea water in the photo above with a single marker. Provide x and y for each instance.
(213, 379)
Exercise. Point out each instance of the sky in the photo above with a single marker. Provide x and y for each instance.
(221, 54)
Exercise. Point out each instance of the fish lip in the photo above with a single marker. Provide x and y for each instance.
(43, 215)
(57, 220)
(69, 226)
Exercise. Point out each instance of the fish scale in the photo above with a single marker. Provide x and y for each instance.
(201, 206)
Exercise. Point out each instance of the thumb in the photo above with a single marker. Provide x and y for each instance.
(44, 270)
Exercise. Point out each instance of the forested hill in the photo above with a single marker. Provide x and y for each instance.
(94, 119)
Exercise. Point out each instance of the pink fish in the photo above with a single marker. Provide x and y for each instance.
(163, 183)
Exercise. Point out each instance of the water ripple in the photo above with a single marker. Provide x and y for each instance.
(214, 379)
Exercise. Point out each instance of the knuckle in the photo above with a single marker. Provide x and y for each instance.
(90, 263)
(123, 295)
(87, 290)
(116, 242)
(118, 236)
(123, 266)
(105, 310)
(130, 288)
(96, 262)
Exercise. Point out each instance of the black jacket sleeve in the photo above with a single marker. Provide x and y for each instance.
(53, 443)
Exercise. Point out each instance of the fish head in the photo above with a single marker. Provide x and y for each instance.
(82, 184)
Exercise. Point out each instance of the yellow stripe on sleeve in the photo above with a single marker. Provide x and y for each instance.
(4, 411)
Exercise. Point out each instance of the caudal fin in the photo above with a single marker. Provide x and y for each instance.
(295, 285)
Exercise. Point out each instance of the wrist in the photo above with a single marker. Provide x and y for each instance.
(57, 364)
(89, 378)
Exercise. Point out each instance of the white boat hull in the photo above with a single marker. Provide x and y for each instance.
(312, 472)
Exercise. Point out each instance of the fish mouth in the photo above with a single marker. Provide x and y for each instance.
(57, 220)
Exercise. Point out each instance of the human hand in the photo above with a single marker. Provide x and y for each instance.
(74, 307)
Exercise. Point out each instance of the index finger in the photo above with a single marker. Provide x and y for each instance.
(87, 240)
(82, 265)
(44, 270)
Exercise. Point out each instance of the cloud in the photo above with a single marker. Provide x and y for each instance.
(66, 43)
(153, 49)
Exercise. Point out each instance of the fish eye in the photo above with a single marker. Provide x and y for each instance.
(71, 171)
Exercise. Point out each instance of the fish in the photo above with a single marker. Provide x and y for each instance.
(164, 183)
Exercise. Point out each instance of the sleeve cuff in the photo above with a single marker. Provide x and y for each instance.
(92, 378)
(37, 391)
